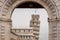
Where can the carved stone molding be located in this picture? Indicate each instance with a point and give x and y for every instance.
(7, 4)
(53, 20)
(52, 7)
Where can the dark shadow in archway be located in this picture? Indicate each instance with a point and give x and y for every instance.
(29, 5)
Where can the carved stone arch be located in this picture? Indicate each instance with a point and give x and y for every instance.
(52, 7)
(9, 6)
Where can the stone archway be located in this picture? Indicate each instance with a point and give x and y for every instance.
(52, 7)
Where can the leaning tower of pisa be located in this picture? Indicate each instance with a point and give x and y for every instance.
(35, 24)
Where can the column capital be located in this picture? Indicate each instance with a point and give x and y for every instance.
(52, 20)
(5, 20)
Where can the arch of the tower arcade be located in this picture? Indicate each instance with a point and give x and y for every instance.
(7, 7)
(52, 7)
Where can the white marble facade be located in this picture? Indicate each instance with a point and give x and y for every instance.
(53, 10)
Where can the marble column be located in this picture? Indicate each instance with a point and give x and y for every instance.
(54, 29)
(5, 27)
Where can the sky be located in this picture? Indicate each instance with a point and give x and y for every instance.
(21, 19)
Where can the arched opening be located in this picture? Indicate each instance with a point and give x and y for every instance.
(31, 5)
(52, 7)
